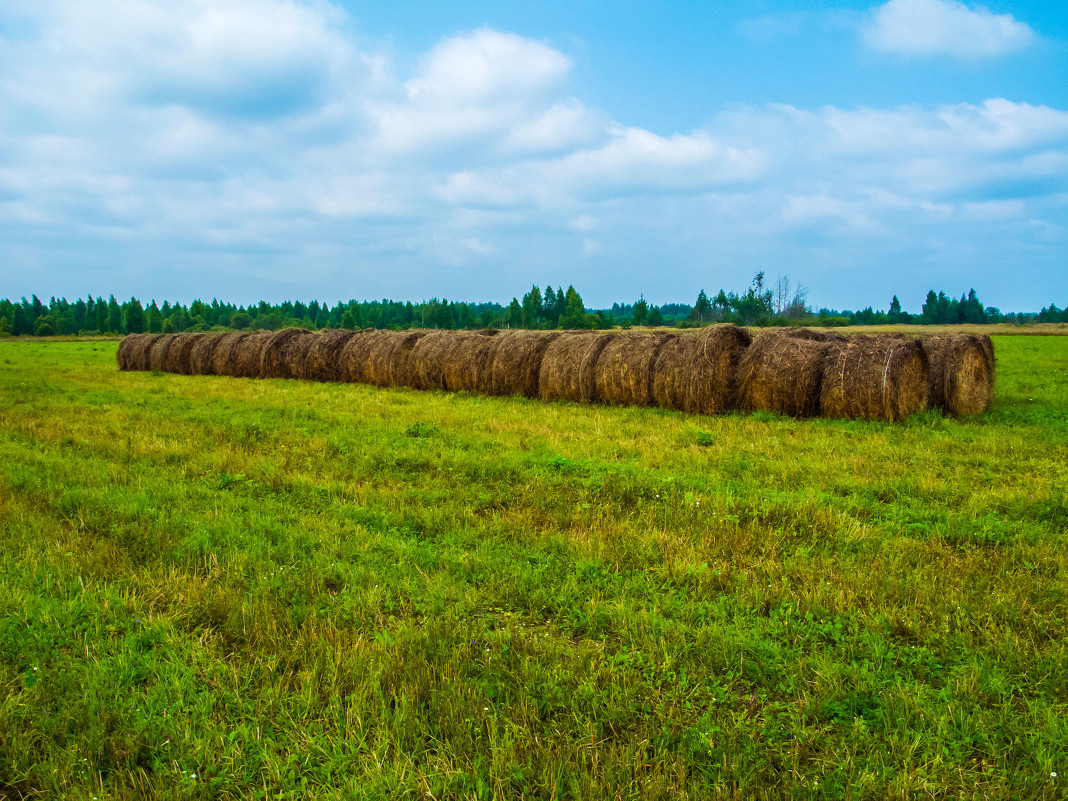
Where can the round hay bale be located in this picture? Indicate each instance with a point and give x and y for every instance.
(515, 361)
(874, 378)
(157, 353)
(354, 360)
(284, 352)
(782, 372)
(961, 370)
(138, 355)
(467, 362)
(200, 357)
(322, 362)
(390, 361)
(810, 334)
(430, 358)
(133, 351)
(222, 359)
(567, 368)
(698, 374)
(247, 355)
(623, 374)
(179, 353)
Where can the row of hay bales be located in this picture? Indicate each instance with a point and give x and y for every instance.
(798, 372)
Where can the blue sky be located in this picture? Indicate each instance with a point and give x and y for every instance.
(273, 149)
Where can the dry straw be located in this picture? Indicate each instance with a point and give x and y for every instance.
(247, 355)
(389, 362)
(354, 359)
(468, 361)
(698, 374)
(133, 351)
(283, 354)
(515, 361)
(874, 378)
(223, 360)
(157, 353)
(782, 371)
(427, 361)
(179, 353)
(962, 368)
(200, 357)
(623, 374)
(322, 362)
(567, 368)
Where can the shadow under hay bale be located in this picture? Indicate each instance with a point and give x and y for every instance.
(623, 374)
(200, 357)
(782, 372)
(467, 362)
(157, 353)
(515, 361)
(247, 355)
(698, 374)
(322, 361)
(874, 378)
(133, 351)
(283, 354)
(222, 360)
(567, 368)
(180, 352)
(961, 370)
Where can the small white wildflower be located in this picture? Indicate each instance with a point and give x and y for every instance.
(1053, 775)
(486, 709)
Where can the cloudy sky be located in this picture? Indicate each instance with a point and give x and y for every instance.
(335, 149)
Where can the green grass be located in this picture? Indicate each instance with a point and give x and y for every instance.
(220, 588)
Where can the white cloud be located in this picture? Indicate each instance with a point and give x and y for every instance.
(944, 27)
(485, 66)
(122, 145)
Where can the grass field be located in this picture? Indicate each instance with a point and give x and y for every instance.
(226, 588)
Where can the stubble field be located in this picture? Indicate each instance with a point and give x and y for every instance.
(230, 588)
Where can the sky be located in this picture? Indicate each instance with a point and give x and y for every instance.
(331, 149)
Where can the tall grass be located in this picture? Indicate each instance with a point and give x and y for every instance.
(224, 588)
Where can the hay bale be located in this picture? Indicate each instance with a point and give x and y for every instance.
(567, 368)
(222, 359)
(133, 351)
(390, 360)
(515, 361)
(200, 357)
(698, 374)
(157, 353)
(138, 354)
(874, 378)
(810, 334)
(623, 374)
(467, 362)
(322, 361)
(354, 359)
(283, 354)
(180, 352)
(427, 360)
(247, 355)
(961, 370)
(782, 372)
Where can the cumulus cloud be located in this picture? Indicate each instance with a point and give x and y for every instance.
(944, 27)
(260, 136)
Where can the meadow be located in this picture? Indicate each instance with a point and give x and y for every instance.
(230, 588)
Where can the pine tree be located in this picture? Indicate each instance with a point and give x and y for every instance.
(135, 317)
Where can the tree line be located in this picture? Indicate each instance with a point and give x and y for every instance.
(784, 303)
